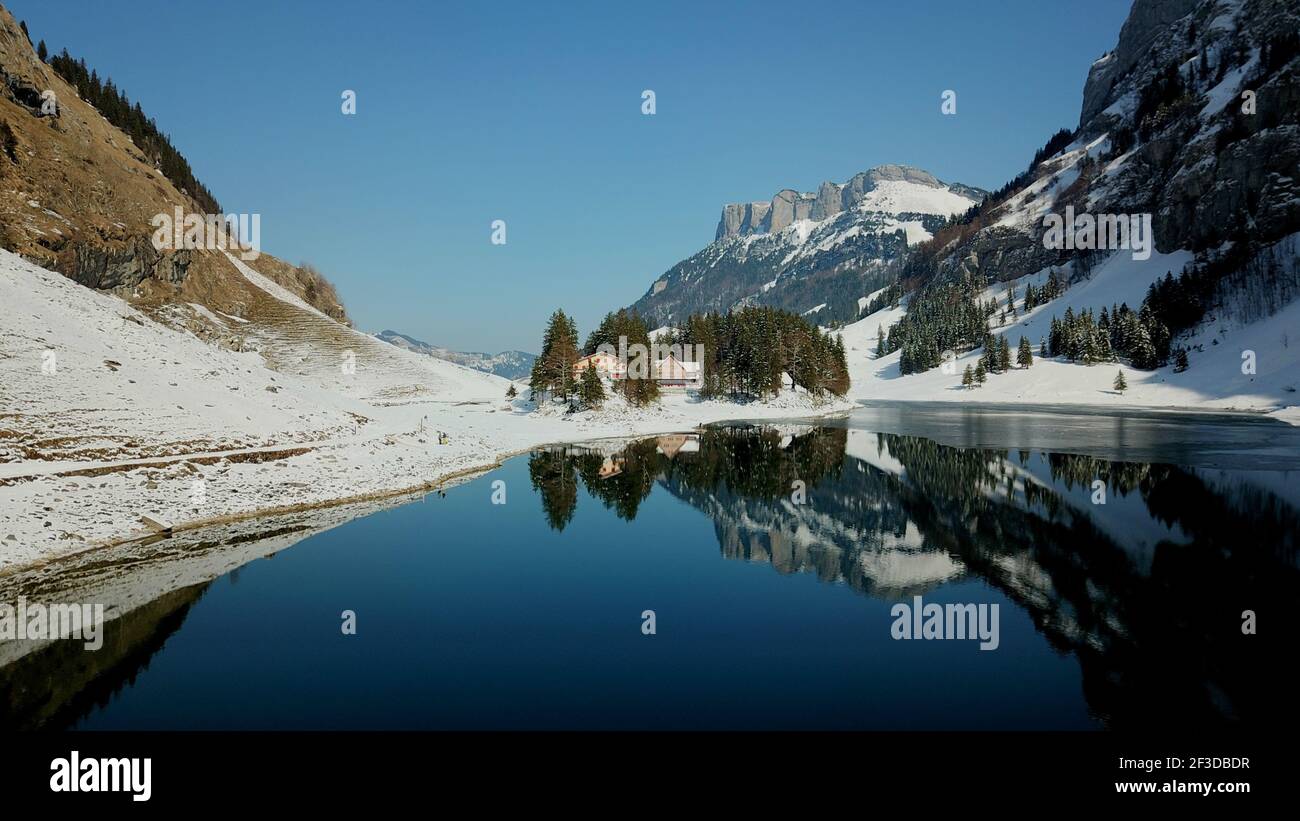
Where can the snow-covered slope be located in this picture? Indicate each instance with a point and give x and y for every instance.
(1214, 379)
(109, 414)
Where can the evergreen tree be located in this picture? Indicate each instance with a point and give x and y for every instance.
(989, 357)
(980, 373)
(1004, 354)
(591, 391)
(553, 477)
(511, 393)
(1180, 360)
(642, 390)
(1042, 347)
(553, 371)
(1141, 351)
(967, 376)
(1120, 384)
(750, 351)
(1024, 355)
(42, 52)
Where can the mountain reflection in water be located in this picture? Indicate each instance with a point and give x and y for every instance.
(1147, 589)
(477, 615)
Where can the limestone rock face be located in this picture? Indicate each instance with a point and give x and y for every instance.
(788, 206)
(809, 251)
(1146, 21)
(828, 203)
(1189, 152)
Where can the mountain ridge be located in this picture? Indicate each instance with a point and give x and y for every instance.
(507, 364)
(809, 253)
(788, 205)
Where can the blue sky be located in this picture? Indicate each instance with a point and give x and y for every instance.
(531, 113)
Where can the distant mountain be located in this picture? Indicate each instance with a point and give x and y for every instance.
(508, 364)
(809, 253)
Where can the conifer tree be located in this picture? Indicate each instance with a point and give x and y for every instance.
(1004, 354)
(1120, 384)
(1024, 355)
(591, 391)
(980, 373)
(967, 376)
(553, 370)
(989, 357)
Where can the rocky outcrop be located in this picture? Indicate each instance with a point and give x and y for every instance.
(1205, 164)
(122, 265)
(1147, 20)
(79, 197)
(1167, 132)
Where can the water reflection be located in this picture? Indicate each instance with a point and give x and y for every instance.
(148, 589)
(1141, 570)
(1144, 593)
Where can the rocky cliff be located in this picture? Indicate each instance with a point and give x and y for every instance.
(788, 206)
(809, 253)
(1194, 118)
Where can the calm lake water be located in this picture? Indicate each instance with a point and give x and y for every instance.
(771, 558)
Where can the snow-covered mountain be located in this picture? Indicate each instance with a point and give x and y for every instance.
(1193, 123)
(508, 364)
(809, 253)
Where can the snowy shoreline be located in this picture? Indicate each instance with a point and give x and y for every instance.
(1215, 381)
(119, 424)
(113, 415)
(322, 476)
(1288, 415)
(586, 427)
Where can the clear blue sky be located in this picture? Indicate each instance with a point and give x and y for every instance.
(531, 113)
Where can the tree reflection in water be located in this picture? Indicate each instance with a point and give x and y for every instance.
(1147, 590)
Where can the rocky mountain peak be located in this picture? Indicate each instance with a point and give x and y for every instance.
(788, 206)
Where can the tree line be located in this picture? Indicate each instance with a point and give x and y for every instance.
(953, 316)
(748, 351)
(552, 374)
(118, 109)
